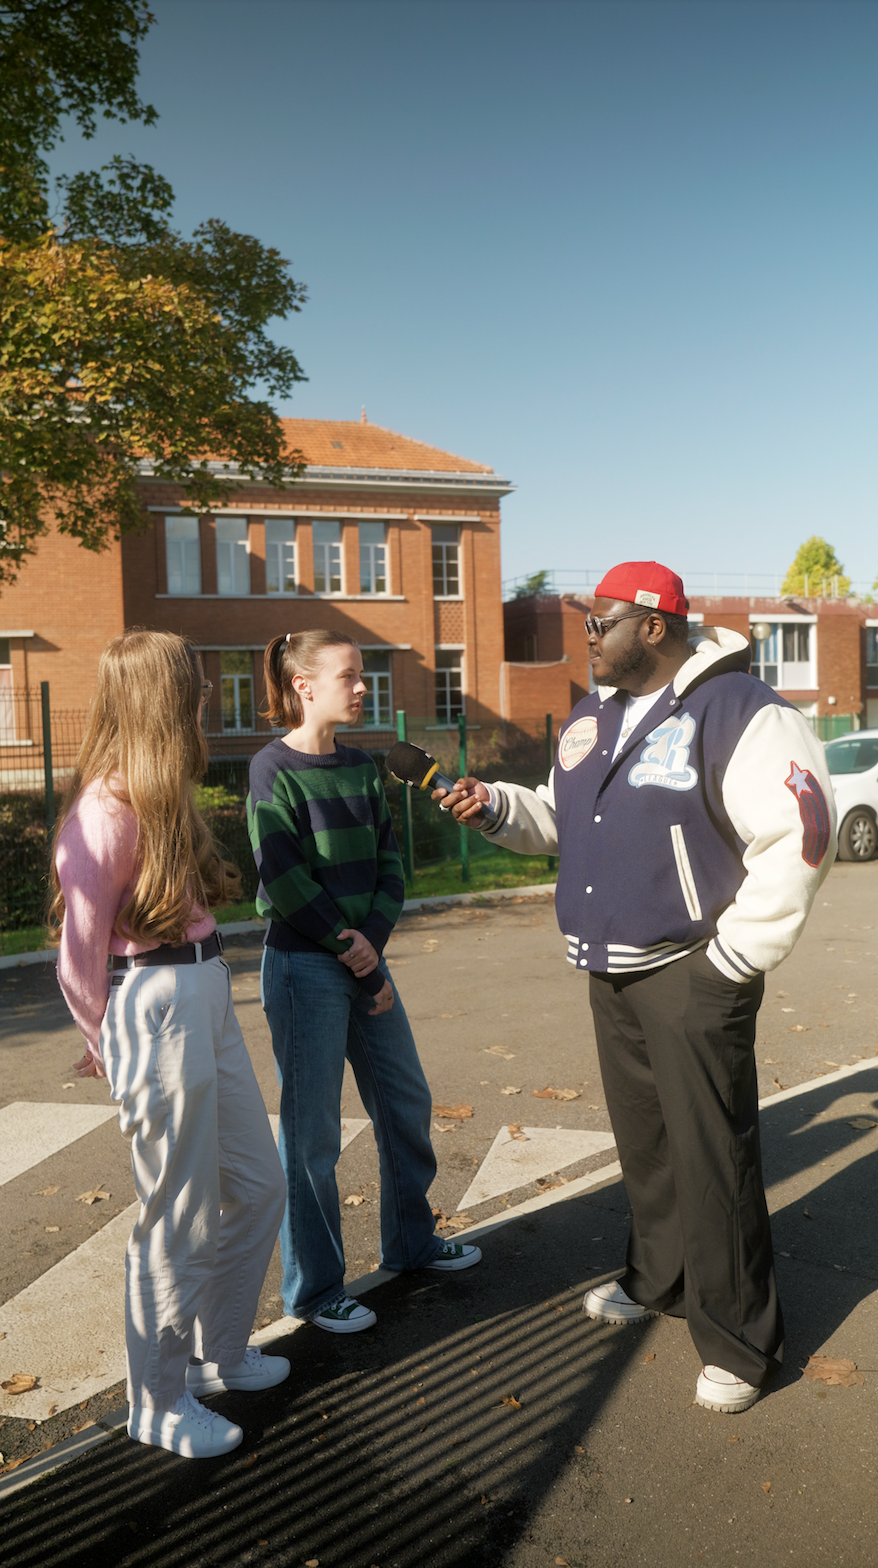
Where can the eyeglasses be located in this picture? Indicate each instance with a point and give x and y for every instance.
(599, 625)
(206, 689)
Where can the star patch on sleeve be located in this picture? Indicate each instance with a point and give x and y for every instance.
(813, 811)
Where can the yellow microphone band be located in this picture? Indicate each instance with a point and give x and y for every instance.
(428, 776)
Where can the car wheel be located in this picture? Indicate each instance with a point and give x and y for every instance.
(858, 836)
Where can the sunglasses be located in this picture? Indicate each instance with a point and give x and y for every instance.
(599, 625)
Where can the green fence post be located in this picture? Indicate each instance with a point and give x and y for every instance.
(47, 757)
(550, 763)
(464, 839)
(408, 836)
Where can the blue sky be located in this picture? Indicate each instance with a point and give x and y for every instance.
(623, 252)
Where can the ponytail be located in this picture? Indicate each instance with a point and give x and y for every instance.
(296, 653)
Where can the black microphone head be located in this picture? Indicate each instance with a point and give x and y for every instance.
(409, 763)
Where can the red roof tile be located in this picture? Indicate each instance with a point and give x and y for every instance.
(342, 443)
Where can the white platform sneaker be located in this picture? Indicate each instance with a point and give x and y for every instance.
(609, 1304)
(719, 1390)
(189, 1429)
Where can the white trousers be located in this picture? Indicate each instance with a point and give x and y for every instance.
(207, 1173)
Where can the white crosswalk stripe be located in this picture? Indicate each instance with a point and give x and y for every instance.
(31, 1133)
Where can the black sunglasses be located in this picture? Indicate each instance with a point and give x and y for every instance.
(599, 625)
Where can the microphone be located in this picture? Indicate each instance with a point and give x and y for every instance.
(418, 769)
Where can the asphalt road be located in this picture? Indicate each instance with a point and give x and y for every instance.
(353, 1468)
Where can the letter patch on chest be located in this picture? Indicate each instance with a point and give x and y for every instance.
(813, 811)
(577, 742)
(664, 759)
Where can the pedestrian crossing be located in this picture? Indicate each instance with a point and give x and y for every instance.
(67, 1326)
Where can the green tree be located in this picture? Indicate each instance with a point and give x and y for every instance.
(538, 582)
(817, 561)
(123, 345)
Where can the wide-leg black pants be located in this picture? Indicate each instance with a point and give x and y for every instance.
(676, 1054)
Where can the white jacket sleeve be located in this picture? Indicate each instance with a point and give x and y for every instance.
(527, 818)
(772, 792)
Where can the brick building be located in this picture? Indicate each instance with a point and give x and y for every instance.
(821, 653)
(392, 541)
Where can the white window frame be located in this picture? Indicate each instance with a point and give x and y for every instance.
(238, 679)
(796, 675)
(281, 558)
(373, 679)
(450, 550)
(188, 550)
(872, 667)
(373, 559)
(7, 698)
(459, 648)
(232, 557)
(330, 554)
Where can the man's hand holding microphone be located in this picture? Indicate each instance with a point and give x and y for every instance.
(466, 802)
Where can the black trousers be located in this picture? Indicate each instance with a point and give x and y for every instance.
(676, 1054)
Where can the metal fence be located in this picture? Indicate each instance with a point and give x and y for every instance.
(39, 745)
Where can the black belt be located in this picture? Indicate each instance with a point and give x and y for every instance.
(211, 947)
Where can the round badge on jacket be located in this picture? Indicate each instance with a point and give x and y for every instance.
(577, 742)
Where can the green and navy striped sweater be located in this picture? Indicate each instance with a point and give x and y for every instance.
(325, 851)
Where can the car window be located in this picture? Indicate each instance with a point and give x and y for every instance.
(852, 755)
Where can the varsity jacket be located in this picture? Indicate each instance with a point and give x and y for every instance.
(714, 825)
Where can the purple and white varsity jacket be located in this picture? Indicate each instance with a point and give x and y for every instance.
(714, 825)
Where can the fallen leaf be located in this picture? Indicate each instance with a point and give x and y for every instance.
(778, 1084)
(766, 1487)
(3, 1335)
(13, 1464)
(82, 1428)
(555, 1094)
(445, 1126)
(457, 1222)
(421, 1401)
(799, 1028)
(439, 1217)
(825, 1063)
(32, 1426)
(650, 1357)
(46, 1192)
(781, 993)
(578, 1449)
(735, 1439)
(515, 1132)
(497, 1050)
(561, 1562)
(807, 1215)
(512, 1402)
(863, 1123)
(52, 1409)
(485, 1500)
(769, 1061)
(250, 1460)
(459, 1113)
(629, 1499)
(19, 1383)
(312, 1562)
(354, 1200)
(93, 1196)
(545, 1185)
(833, 1370)
(68, 1086)
(510, 1089)
(265, 1322)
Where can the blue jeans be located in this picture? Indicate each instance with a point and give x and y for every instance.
(318, 1015)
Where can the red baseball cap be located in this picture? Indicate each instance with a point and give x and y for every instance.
(644, 582)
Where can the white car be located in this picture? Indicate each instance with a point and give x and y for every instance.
(853, 765)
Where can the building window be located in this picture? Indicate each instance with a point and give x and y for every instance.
(446, 560)
(872, 655)
(378, 701)
(785, 659)
(183, 552)
(236, 691)
(449, 685)
(530, 648)
(327, 556)
(7, 701)
(373, 558)
(232, 558)
(280, 555)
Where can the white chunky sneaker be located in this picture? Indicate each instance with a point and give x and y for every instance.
(189, 1429)
(609, 1304)
(344, 1315)
(254, 1372)
(719, 1390)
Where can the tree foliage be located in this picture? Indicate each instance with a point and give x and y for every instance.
(817, 561)
(538, 582)
(122, 343)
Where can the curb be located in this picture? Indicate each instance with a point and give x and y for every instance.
(251, 927)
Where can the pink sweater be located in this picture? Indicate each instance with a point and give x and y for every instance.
(96, 858)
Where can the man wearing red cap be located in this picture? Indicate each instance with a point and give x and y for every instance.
(692, 811)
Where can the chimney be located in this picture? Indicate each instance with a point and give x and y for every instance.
(363, 419)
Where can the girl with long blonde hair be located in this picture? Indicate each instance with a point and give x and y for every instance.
(135, 873)
(331, 884)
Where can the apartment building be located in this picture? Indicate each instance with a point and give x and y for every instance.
(395, 542)
(822, 654)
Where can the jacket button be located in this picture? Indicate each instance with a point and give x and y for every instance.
(597, 819)
(585, 947)
(583, 963)
(588, 890)
(603, 753)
